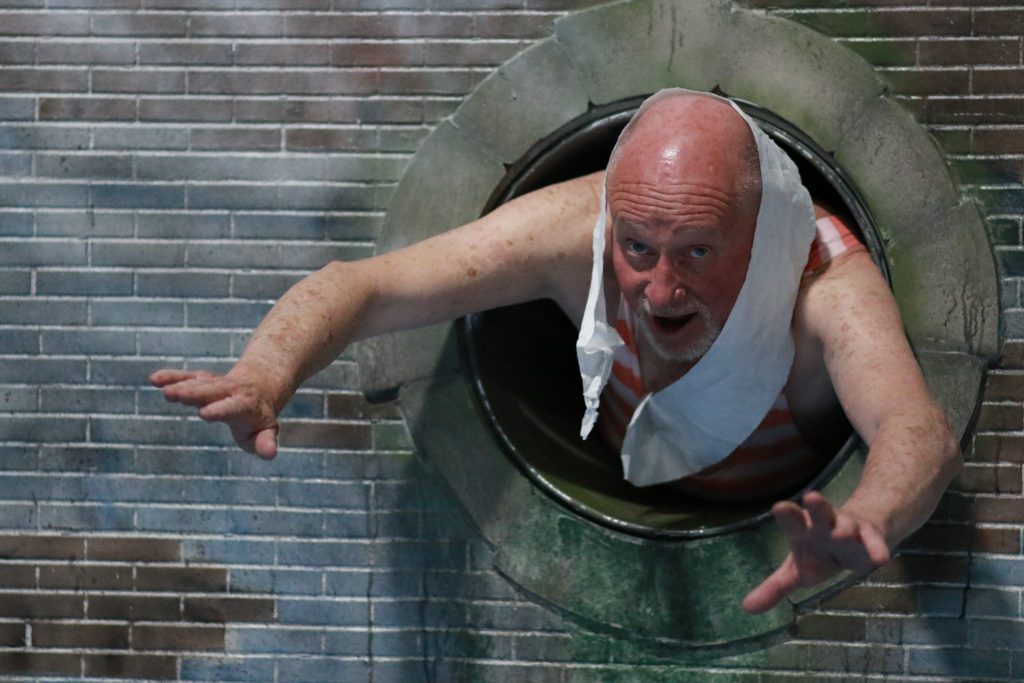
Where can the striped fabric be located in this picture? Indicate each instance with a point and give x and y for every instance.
(775, 456)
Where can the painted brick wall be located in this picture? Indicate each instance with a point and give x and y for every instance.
(169, 167)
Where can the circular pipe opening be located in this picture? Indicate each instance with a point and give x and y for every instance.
(523, 363)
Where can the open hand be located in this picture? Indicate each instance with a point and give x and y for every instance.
(823, 541)
(239, 405)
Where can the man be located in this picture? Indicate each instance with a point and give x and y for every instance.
(685, 207)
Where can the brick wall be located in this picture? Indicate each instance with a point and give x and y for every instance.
(169, 167)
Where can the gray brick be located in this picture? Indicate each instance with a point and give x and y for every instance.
(373, 466)
(307, 226)
(993, 602)
(124, 371)
(183, 520)
(50, 195)
(353, 524)
(304, 406)
(19, 341)
(15, 282)
(236, 24)
(19, 399)
(234, 552)
(87, 108)
(323, 670)
(323, 495)
(42, 429)
(140, 137)
(21, 311)
(90, 518)
(99, 166)
(243, 670)
(291, 53)
(334, 377)
(276, 640)
(15, 164)
(85, 52)
(15, 222)
(182, 109)
(84, 282)
(85, 223)
(18, 516)
(399, 613)
(184, 343)
(259, 167)
(305, 256)
(87, 400)
(137, 196)
(184, 225)
(184, 283)
(997, 571)
(43, 136)
(139, 24)
(284, 81)
(48, 23)
(235, 138)
(294, 197)
(126, 430)
(15, 108)
(994, 633)
(226, 314)
(959, 662)
(21, 52)
(277, 581)
(261, 286)
(138, 312)
(88, 342)
(325, 554)
(86, 458)
(350, 583)
(277, 522)
(14, 458)
(167, 53)
(351, 643)
(43, 252)
(321, 611)
(292, 464)
(180, 461)
(31, 79)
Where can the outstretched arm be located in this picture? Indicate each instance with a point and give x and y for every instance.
(536, 246)
(913, 454)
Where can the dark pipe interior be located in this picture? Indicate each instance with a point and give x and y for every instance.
(524, 363)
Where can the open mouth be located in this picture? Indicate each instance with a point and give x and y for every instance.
(670, 324)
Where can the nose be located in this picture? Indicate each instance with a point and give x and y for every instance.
(665, 289)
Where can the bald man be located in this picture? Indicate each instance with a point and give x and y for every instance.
(683, 194)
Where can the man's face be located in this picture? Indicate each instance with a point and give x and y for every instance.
(680, 247)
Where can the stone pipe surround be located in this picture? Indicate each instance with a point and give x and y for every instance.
(681, 593)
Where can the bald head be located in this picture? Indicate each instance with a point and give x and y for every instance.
(683, 191)
(691, 137)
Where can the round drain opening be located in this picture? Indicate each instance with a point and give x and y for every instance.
(522, 358)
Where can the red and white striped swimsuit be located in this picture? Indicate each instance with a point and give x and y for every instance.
(775, 452)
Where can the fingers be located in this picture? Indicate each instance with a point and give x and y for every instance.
(266, 443)
(774, 589)
(792, 518)
(162, 378)
(199, 392)
(874, 542)
(822, 514)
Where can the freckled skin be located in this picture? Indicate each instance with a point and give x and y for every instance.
(674, 186)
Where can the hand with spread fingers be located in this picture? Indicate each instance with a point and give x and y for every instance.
(241, 405)
(823, 542)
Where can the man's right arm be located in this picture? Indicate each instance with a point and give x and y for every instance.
(537, 246)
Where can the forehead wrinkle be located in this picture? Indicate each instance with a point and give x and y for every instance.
(670, 196)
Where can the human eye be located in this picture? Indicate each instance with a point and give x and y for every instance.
(699, 252)
(637, 248)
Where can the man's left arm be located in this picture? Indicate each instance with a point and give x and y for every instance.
(913, 454)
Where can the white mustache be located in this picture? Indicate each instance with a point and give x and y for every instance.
(702, 311)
